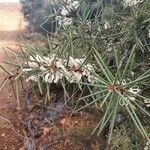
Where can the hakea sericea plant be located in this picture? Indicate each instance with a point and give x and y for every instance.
(52, 69)
(63, 17)
(114, 90)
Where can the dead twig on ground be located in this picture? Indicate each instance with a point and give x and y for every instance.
(6, 120)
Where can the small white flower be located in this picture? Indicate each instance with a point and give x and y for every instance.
(33, 64)
(132, 2)
(64, 21)
(109, 49)
(125, 101)
(75, 62)
(85, 72)
(33, 78)
(60, 21)
(64, 11)
(59, 64)
(42, 68)
(69, 7)
(134, 90)
(106, 25)
(123, 82)
(148, 105)
(91, 79)
(75, 4)
(147, 102)
(67, 1)
(58, 76)
(89, 24)
(67, 21)
(73, 77)
(88, 69)
(53, 75)
(132, 73)
(47, 76)
(32, 58)
(58, 18)
(27, 69)
(39, 59)
(147, 147)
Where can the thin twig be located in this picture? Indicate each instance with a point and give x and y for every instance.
(9, 73)
(11, 126)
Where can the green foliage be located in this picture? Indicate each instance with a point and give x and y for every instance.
(111, 39)
(120, 141)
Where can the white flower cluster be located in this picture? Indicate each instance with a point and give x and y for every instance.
(133, 90)
(147, 147)
(132, 2)
(69, 6)
(51, 69)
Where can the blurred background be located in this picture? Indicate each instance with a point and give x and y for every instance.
(9, 1)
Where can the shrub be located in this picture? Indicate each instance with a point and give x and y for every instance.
(98, 54)
(37, 12)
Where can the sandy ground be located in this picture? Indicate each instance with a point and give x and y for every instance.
(11, 26)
